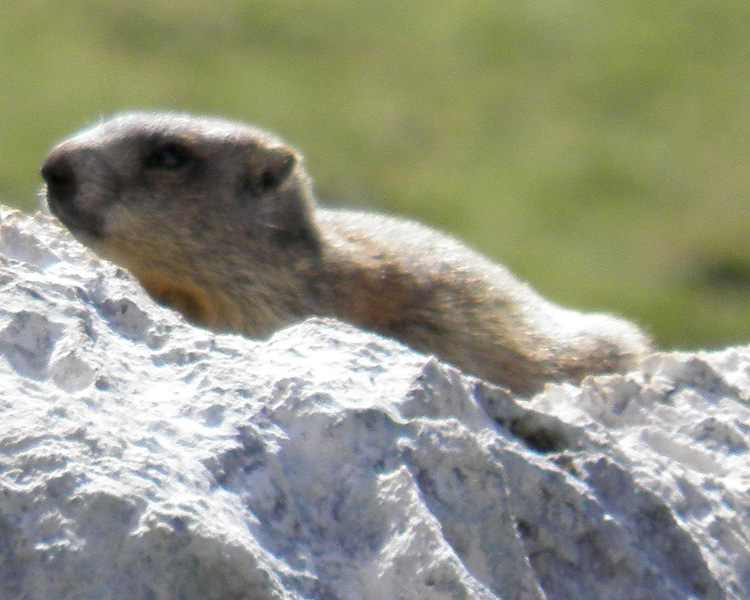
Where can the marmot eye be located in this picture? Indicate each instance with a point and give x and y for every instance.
(170, 157)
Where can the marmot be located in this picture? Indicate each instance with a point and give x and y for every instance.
(217, 219)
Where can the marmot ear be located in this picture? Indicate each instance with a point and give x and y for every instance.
(268, 168)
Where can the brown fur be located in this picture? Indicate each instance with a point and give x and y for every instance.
(217, 220)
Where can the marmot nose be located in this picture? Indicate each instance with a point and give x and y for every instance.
(58, 173)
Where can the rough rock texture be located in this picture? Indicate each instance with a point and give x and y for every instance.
(144, 459)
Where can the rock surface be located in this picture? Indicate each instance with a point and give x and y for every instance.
(144, 459)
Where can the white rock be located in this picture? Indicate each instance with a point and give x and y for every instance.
(144, 459)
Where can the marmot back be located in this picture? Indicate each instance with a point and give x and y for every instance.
(217, 219)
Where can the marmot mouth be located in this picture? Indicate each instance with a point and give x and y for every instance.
(77, 221)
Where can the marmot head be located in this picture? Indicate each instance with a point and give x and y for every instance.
(172, 197)
(117, 179)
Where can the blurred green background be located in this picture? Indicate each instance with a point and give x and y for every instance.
(599, 149)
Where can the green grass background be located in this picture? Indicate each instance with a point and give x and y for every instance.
(599, 149)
